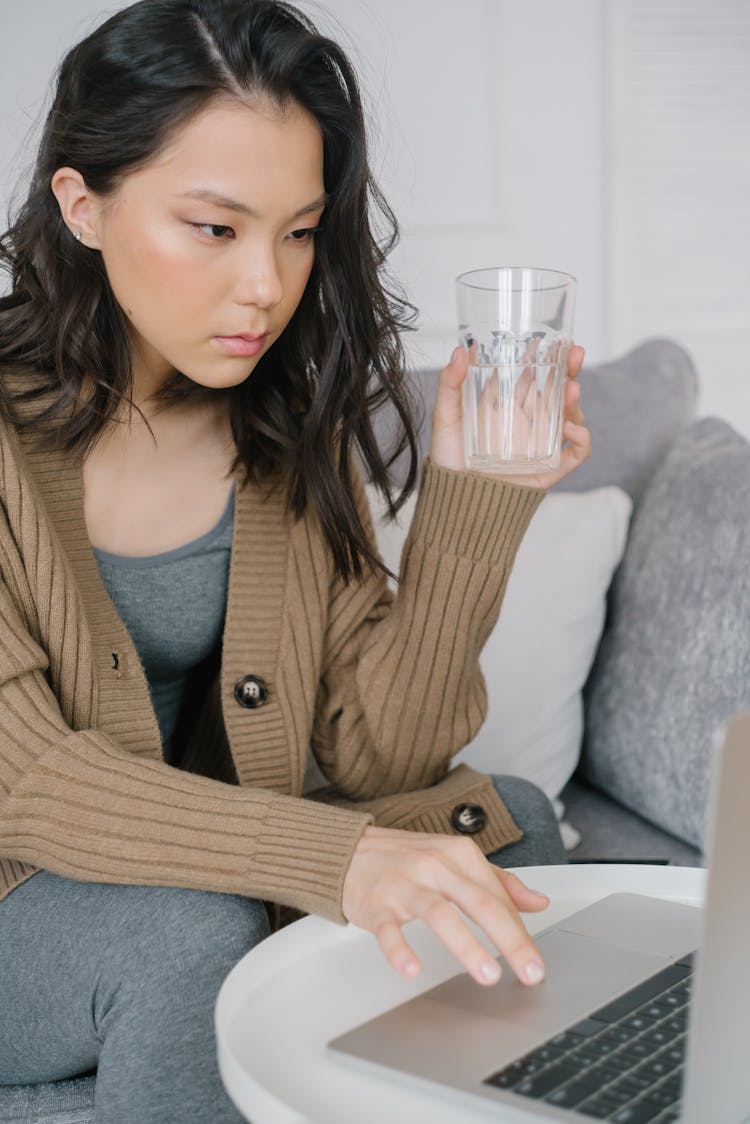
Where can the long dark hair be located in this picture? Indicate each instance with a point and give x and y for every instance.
(305, 413)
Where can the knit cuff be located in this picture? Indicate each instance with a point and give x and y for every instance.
(304, 851)
(463, 513)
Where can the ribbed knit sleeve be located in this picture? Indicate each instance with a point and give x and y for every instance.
(402, 688)
(76, 803)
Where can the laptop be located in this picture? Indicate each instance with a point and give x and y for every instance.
(643, 1016)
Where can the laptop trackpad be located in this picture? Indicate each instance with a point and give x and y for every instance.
(582, 974)
(591, 957)
(459, 1031)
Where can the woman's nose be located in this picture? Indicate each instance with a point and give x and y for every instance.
(260, 282)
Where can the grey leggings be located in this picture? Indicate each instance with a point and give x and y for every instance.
(123, 980)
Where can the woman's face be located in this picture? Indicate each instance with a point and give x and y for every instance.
(213, 239)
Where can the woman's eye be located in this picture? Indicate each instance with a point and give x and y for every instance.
(304, 234)
(212, 226)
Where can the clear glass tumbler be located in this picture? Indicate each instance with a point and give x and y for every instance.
(516, 323)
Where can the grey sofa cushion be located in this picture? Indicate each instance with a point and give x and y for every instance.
(674, 662)
(611, 833)
(635, 406)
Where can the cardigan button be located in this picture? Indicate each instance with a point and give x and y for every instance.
(251, 691)
(468, 818)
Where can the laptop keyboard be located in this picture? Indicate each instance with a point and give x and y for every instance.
(624, 1063)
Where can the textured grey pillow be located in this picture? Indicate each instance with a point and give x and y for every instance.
(674, 662)
(635, 406)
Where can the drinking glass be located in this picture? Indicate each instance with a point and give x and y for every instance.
(516, 323)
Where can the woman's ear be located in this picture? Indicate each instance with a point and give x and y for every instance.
(78, 206)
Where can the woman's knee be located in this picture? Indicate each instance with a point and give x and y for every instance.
(171, 931)
(526, 802)
(177, 947)
(534, 814)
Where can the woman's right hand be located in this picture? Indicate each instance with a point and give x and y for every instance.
(397, 876)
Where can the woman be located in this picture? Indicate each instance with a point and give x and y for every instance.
(197, 334)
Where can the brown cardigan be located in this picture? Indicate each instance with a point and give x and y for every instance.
(384, 688)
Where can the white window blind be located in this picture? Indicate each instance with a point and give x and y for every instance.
(679, 191)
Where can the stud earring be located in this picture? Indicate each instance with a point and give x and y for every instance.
(77, 235)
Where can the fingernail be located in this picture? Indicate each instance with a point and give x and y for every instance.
(411, 967)
(533, 972)
(452, 359)
(490, 971)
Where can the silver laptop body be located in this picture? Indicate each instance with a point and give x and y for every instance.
(459, 1033)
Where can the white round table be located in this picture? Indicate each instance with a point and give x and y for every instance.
(313, 980)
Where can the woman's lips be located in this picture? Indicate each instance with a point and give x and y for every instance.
(242, 345)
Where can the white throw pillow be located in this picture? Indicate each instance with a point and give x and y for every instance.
(539, 654)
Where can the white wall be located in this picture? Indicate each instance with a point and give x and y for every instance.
(514, 132)
(679, 185)
(489, 145)
(34, 35)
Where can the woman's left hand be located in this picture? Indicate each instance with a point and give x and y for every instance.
(447, 442)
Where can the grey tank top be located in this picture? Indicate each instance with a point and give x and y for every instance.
(174, 605)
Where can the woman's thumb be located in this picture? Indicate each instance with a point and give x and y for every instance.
(448, 402)
(455, 372)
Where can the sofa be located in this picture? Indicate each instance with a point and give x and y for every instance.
(643, 660)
